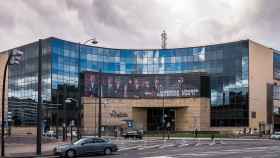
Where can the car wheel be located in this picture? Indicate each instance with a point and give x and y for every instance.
(108, 151)
(70, 153)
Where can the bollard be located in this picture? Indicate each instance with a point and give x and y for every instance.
(212, 137)
(71, 133)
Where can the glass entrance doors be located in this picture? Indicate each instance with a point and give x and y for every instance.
(160, 119)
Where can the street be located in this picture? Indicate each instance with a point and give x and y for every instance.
(180, 148)
(196, 148)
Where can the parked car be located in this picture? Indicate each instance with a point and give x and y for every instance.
(74, 134)
(133, 134)
(50, 134)
(86, 146)
(275, 135)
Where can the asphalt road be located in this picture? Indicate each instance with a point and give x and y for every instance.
(191, 149)
(195, 148)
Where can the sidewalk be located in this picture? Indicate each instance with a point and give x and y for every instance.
(25, 147)
(15, 150)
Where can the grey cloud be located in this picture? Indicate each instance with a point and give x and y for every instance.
(109, 14)
(120, 21)
(138, 23)
(7, 21)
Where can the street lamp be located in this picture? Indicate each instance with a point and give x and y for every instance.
(71, 100)
(93, 41)
(163, 112)
(13, 58)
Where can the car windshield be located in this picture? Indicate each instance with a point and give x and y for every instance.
(107, 140)
(99, 140)
(80, 141)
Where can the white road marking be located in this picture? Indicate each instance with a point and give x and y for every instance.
(225, 152)
(212, 143)
(183, 145)
(159, 157)
(166, 146)
(149, 147)
(197, 144)
(130, 148)
(192, 154)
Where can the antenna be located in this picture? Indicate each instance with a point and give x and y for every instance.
(163, 39)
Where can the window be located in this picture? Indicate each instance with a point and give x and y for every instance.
(99, 141)
(276, 65)
(276, 92)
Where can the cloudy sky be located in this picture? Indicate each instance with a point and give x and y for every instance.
(138, 23)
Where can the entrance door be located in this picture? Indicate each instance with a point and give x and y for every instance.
(160, 119)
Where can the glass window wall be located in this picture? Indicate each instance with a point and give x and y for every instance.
(63, 61)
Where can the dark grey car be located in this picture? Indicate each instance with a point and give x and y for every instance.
(86, 146)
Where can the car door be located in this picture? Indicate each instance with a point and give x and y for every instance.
(100, 144)
(85, 147)
(93, 146)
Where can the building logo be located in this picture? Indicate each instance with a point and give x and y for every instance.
(116, 114)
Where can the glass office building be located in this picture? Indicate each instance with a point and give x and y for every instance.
(62, 62)
(23, 83)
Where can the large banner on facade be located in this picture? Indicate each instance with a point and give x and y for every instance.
(141, 86)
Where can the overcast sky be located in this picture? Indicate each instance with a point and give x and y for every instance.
(138, 23)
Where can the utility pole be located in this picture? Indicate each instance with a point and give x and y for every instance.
(39, 111)
(163, 46)
(79, 96)
(3, 110)
(64, 125)
(57, 111)
(79, 120)
(99, 102)
(95, 120)
(14, 57)
(163, 115)
(100, 98)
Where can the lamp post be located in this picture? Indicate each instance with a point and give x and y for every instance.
(71, 100)
(13, 58)
(93, 41)
(163, 111)
(64, 129)
(39, 105)
(57, 119)
(99, 102)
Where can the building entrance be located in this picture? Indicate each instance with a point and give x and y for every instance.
(160, 119)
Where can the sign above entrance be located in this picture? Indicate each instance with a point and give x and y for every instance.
(146, 86)
(114, 113)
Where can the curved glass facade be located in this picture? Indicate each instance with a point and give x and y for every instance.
(226, 64)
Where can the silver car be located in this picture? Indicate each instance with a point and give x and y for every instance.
(86, 146)
(275, 135)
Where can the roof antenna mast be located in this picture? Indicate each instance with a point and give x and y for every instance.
(163, 39)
